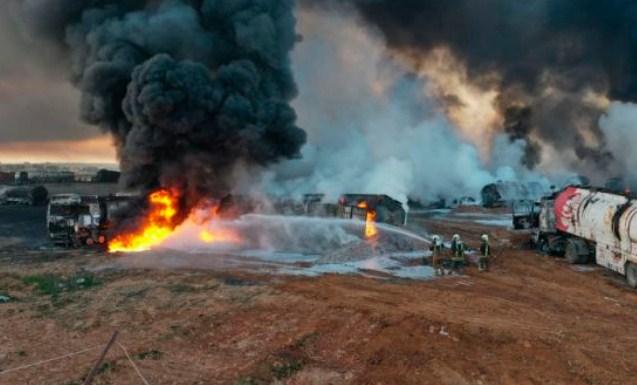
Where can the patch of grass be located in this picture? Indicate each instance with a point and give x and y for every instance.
(105, 367)
(54, 285)
(235, 281)
(281, 371)
(182, 288)
(248, 381)
(149, 355)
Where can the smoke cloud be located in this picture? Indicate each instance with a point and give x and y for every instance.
(553, 64)
(618, 125)
(373, 124)
(188, 89)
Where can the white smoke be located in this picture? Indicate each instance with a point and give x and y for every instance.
(265, 232)
(618, 126)
(372, 128)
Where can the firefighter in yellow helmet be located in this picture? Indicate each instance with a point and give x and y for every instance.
(436, 255)
(458, 257)
(454, 241)
(485, 252)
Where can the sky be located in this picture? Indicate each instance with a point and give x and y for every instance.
(39, 108)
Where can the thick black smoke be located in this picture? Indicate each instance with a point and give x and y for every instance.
(188, 88)
(549, 55)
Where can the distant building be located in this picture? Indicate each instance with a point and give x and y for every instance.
(107, 176)
(51, 177)
(84, 177)
(7, 177)
(21, 177)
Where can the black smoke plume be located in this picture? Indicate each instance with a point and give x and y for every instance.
(188, 89)
(549, 55)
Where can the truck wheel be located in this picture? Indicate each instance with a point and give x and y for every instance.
(575, 252)
(631, 275)
(544, 248)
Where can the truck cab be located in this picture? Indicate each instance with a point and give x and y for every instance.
(525, 214)
(546, 237)
(74, 220)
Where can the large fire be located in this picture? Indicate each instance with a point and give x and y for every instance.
(370, 221)
(160, 224)
(155, 228)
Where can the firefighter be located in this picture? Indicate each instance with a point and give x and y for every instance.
(436, 255)
(448, 261)
(458, 258)
(454, 241)
(485, 251)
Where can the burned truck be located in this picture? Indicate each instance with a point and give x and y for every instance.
(525, 214)
(385, 208)
(591, 225)
(75, 220)
(505, 193)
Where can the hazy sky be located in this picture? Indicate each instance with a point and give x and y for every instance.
(39, 109)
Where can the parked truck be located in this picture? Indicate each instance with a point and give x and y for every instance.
(586, 224)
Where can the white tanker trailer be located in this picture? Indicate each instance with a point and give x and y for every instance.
(587, 224)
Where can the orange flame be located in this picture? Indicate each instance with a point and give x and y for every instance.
(156, 227)
(216, 235)
(370, 225)
(370, 221)
(219, 236)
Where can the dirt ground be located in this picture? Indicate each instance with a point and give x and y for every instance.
(531, 320)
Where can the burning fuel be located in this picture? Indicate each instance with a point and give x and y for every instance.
(371, 231)
(158, 224)
(370, 225)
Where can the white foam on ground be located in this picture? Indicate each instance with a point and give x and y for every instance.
(293, 246)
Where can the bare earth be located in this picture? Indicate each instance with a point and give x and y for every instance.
(530, 320)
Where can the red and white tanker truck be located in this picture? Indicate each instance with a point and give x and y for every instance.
(587, 224)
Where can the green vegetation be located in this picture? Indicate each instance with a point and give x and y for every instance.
(53, 285)
(287, 369)
(182, 288)
(105, 367)
(247, 381)
(149, 355)
(266, 372)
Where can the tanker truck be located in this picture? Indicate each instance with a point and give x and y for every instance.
(75, 220)
(586, 224)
